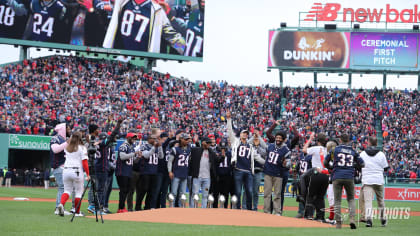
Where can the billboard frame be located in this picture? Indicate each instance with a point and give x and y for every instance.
(343, 70)
(99, 50)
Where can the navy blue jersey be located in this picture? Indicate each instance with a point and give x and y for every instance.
(46, 20)
(12, 23)
(57, 159)
(163, 163)
(111, 157)
(225, 167)
(134, 26)
(243, 161)
(304, 163)
(149, 166)
(194, 35)
(182, 12)
(102, 157)
(124, 167)
(274, 162)
(344, 158)
(180, 164)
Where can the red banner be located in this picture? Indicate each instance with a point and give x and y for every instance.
(396, 194)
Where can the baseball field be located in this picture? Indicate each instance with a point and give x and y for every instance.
(36, 217)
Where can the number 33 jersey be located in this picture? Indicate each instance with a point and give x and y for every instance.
(46, 19)
(344, 159)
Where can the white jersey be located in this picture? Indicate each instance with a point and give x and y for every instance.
(74, 159)
(318, 154)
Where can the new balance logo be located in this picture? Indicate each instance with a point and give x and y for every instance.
(329, 12)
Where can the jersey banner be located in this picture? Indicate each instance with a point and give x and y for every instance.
(169, 27)
(308, 49)
(384, 50)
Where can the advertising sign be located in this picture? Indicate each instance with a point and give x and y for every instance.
(384, 50)
(145, 27)
(308, 49)
(31, 142)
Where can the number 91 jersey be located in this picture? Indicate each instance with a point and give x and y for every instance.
(180, 166)
(45, 20)
(134, 26)
(274, 161)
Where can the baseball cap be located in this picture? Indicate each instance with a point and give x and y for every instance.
(178, 132)
(205, 139)
(185, 136)
(245, 131)
(164, 134)
(131, 135)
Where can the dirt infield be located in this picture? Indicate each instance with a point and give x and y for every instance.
(214, 217)
(286, 208)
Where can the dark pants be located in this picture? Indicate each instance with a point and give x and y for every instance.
(243, 178)
(108, 188)
(223, 187)
(348, 185)
(134, 187)
(100, 185)
(147, 186)
(124, 184)
(162, 185)
(318, 186)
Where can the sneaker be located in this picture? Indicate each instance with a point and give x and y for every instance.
(362, 220)
(80, 214)
(308, 218)
(60, 209)
(333, 222)
(107, 211)
(91, 209)
(352, 225)
(120, 211)
(321, 220)
(369, 223)
(56, 211)
(124, 210)
(73, 210)
(299, 216)
(67, 213)
(384, 222)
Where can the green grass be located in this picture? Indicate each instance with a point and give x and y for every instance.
(37, 218)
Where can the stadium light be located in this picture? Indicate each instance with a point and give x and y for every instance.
(50, 50)
(283, 25)
(330, 26)
(356, 26)
(416, 27)
(38, 49)
(57, 51)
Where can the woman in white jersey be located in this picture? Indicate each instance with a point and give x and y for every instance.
(76, 162)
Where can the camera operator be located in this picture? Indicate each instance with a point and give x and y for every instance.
(101, 166)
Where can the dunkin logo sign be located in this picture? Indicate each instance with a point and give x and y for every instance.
(334, 11)
(308, 49)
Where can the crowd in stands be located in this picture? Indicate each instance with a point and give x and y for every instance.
(38, 94)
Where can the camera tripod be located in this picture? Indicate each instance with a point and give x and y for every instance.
(98, 206)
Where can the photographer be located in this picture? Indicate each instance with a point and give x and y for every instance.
(373, 179)
(101, 163)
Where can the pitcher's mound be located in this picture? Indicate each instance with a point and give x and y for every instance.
(214, 217)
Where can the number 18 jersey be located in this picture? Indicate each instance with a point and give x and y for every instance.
(134, 26)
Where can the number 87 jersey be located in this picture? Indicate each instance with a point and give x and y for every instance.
(180, 164)
(344, 158)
